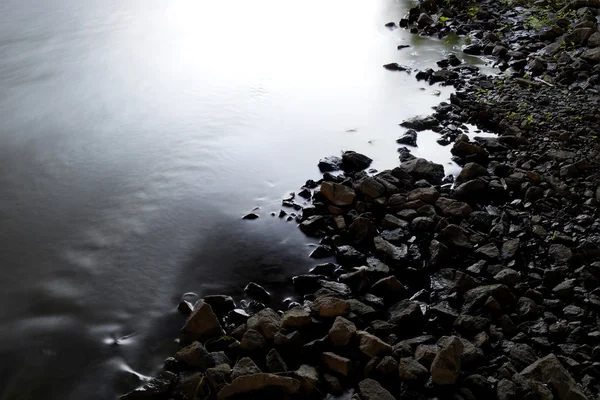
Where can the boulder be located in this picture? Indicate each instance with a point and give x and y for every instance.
(389, 253)
(245, 366)
(266, 321)
(195, 356)
(410, 370)
(308, 377)
(275, 363)
(252, 341)
(409, 138)
(405, 312)
(329, 307)
(297, 317)
(369, 186)
(370, 389)
(337, 364)
(548, 370)
(371, 345)
(339, 195)
(445, 367)
(353, 161)
(471, 171)
(419, 168)
(329, 164)
(427, 195)
(202, 324)
(259, 382)
(342, 331)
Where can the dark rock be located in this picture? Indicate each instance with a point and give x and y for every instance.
(342, 331)
(370, 187)
(275, 363)
(522, 355)
(420, 168)
(257, 382)
(424, 20)
(252, 341)
(329, 307)
(218, 377)
(506, 390)
(411, 370)
(395, 67)
(560, 254)
(445, 368)
(455, 236)
(195, 356)
(220, 304)
(389, 253)
(339, 195)
(245, 366)
(370, 389)
(202, 324)
(337, 364)
(266, 321)
(298, 317)
(409, 138)
(390, 288)
(405, 312)
(155, 388)
(329, 164)
(475, 298)
(350, 257)
(420, 123)
(471, 190)
(257, 292)
(353, 161)
(250, 216)
(371, 345)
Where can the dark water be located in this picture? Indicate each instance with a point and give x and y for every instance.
(133, 137)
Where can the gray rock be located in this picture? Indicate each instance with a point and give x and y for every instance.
(155, 388)
(560, 254)
(252, 341)
(475, 298)
(456, 236)
(419, 168)
(370, 389)
(337, 364)
(427, 195)
(471, 171)
(342, 331)
(330, 307)
(489, 250)
(457, 209)
(329, 164)
(353, 161)
(218, 377)
(257, 382)
(371, 345)
(411, 370)
(202, 324)
(389, 288)
(506, 390)
(406, 311)
(409, 138)
(390, 254)
(266, 321)
(195, 356)
(549, 370)
(339, 195)
(308, 377)
(420, 123)
(509, 249)
(275, 363)
(470, 190)
(594, 40)
(445, 368)
(592, 55)
(245, 366)
(370, 187)
(297, 317)
(391, 222)
(508, 276)
(522, 355)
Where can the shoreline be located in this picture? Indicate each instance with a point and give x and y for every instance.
(482, 285)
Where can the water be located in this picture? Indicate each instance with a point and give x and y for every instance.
(134, 136)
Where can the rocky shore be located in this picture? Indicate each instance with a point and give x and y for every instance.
(483, 285)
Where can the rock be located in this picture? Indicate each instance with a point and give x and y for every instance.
(592, 55)
(337, 364)
(560, 254)
(508, 276)
(337, 194)
(471, 190)
(370, 389)
(489, 250)
(353, 161)
(371, 345)
(509, 249)
(476, 298)
(427, 195)
(257, 382)
(522, 355)
(389, 253)
(195, 356)
(252, 341)
(420, 123)
(443, 75)
(257, 292)
(409, 138)
(424, 20)
(395, 67)
(405, 312)
(465, 150)
(389, 288)
(457, 209)
(471, 171)
(565, 289)
(308, 377)
(419, 168)
(155, 388)
(549, 370)
(448, 280)
(594, 40)
(188, 386)
(506, 390)
(329, 164)
(275, 363)
(391, 222)
(411, 370)
(455, 236)
(329, 307)
(202, 324)
(250, 216)
(220, 304)
(342, 331)
(245, 366)
(472, 49)
(218, 377)
(580, 35)
(266, 321)
(361, 229)
(437, 253)
(445, 368)
(297, 317)
(370, 187)
(471, 325)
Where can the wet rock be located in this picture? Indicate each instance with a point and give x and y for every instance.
(252, 341)
(361, 229)
(220, 304)
(350, 257)
(297, 317)
(420, 168)
(257, 382)
(592, 55)
(560, 254)
(337, 364)
(404, 312)
(308, 377)
(202, 324)
(250, 216)
(471, 190)
(245, 366)
(476, 298)
(257, 292)
(266, 321)
(395, 67)
(427, 195)
(371, 345)
(391, 222)
(424, 20)
(455, 236)
(389, 288)
(370, 389)
(411, 370)
(445, 368)
(342, 331)
(472, 49)
(549, 370)
(353, 161)
(420, 123)
(195, 356)
(329, 307)
(387, 366)
(218, 377)
(471, 325)
(275, 363)
(489, 251)
(339, 195)
(457, 209)
(389, 253)
(409, 138)
(508, 276)
(153, 389)
(371, 187)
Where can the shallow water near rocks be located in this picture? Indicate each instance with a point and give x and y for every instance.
(134, 137)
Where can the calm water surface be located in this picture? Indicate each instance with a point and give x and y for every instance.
(133, 137)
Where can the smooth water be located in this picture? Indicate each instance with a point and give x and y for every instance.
(133, 137)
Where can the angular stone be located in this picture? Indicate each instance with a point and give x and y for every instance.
(275, 363)
(370, 389)
(297, 317)
(252, 341)
(410, 370)
(561, 254)
(257, 382)
(202, 324)
(337, 364)
(308, 377)
(329, 307)
(457, 209)
(342, 331)
(477, 297)
(370, 187)
(245, 366)
(390, 254)
(266, 321)
(371, 345)
(471, 171)
(427, 195)
(445, 368)
(339, 195)
(419, 168)
(406, 311)
(455, 235)
(195, 356)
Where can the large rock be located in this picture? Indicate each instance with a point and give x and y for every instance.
(463, 149)
(337, 364)
(245, 366)
(258, 382)
(202, 324)
(371, 345)
(329, 307)
(419, 168)
(370, 389)
(329, 164)
(353, 161)
(266, 321)
(476, 298)
(195, 356)
(308, 377)
(361, 229)
(471, 171)
(409, 138)
(370, 187)
(548, 370)
(445, 367)
(592, 55)
(342, 331)
(389, 253)
(410, 369)
(339, 195)
(405, 312)
(252, 341)
(456, 236)
(427, 195)
(275, 363)
(297, 317)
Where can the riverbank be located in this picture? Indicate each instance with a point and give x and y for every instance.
(483, 284)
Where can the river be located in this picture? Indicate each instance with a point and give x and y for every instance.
(136, 134)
